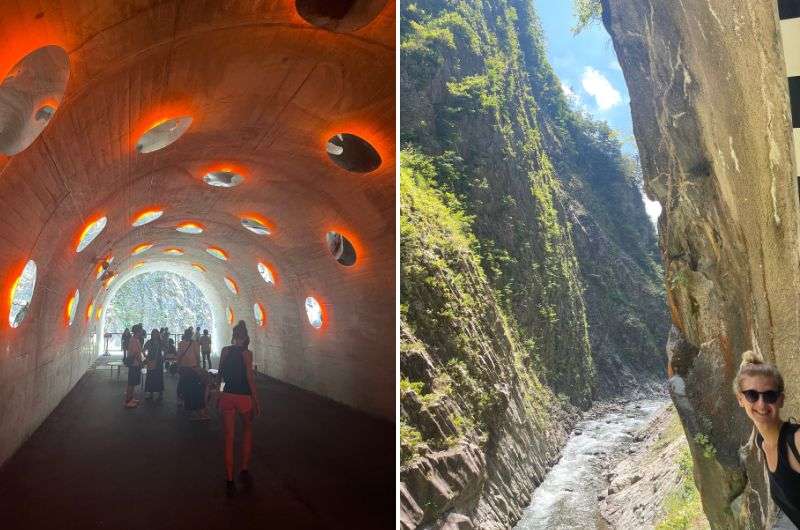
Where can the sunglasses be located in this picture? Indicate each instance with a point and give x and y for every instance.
(769, 397)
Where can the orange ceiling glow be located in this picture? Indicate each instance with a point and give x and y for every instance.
(229, 314)
(90, 232)
(199, 267)
(190, 227)
(147, 216)
(138, 249)
(89, 311)
(173, 251)
(218, 253)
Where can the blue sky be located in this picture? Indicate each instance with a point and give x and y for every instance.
(589, 72)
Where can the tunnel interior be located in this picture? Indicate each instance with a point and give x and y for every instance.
(246, 146)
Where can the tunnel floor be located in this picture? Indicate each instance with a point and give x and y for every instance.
(95, 464)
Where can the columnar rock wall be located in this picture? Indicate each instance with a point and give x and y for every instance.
(711, 117)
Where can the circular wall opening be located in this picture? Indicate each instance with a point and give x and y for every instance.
(163, 133)
(341, 249)
(138, 264)
(229, 314)
(231, 284)
(138, 249)
(190, 228)
(89, 311)
(256, 226)
(146, 217)
(21, 294)
(258, 314)
(218, 253)
(266, 273)
(314, 312)
(224, 178)
(90, 232)
(199, 267)
(352, 153)
(72, 306)
(30, 96)
(103, 266)
(174, 251)
(108, 281)
(339, 15)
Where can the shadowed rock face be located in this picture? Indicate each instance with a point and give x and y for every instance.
(711, 118)
(265, 90)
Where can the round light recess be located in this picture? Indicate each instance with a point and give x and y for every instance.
(199, 267)
(189, 228)
(314, 312)
(138, 249)
(104, 264)
(174, 251)
(258, 314)
(256, 226)
(339, 15)
(341, 249)
(90, 232)
(229, 314)
(89, 311)
(231, 284)
(163, 134)
(147, 217)
(21, 294)
(353, 153)
(218, 253)
(72, 306)
(224, 178)
(266, 273)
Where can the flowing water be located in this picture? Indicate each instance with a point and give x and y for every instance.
(567, 498)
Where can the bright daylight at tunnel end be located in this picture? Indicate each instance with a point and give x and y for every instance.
(227, 165)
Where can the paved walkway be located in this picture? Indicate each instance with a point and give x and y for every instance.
(94, 464)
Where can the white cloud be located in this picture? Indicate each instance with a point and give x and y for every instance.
(597, 86)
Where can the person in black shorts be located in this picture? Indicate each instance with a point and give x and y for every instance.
(759, 390)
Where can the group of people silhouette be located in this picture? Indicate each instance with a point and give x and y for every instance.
(235, 379)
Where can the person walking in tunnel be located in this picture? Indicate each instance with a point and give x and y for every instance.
(238, 398)
(155, 366)
(190, 384)
(205, 348)
(759, 390)
(126, 339)
(134, 360)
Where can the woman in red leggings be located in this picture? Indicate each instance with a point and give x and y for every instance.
(238, 398)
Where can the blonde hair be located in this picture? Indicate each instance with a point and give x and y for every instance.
(753, 364)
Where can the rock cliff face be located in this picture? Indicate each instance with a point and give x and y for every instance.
(711, 117)
(523, 296)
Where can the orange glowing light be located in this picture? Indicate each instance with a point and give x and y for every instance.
(232, 167)
(146, 216)
(218, 253)
(89, 311)
(98, 313)
(173, 251)
(108, 281)
(259, 219)
(162, 114)
(231, 283)
(355, 241)
(259, 314)
(190, 227)
(99, 270)
(95, 225)
(138, 249)
(70, 308)
(380, 138)
(229, 314)
(199, 267)
(138, 264)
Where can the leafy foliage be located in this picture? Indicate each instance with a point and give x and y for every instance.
(158, 299)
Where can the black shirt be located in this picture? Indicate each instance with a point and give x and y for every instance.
(784, 483)
(234, 372)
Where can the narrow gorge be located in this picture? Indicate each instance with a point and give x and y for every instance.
(531, 284)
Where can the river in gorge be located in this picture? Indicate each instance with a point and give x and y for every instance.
(567, 498)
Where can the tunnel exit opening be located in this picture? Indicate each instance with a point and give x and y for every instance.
(157, 299)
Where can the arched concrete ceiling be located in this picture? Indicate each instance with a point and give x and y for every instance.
(265, 90)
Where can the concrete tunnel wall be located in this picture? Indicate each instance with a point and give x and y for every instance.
(266, 90)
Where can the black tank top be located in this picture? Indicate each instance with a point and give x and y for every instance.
(233, 371)
(785, 482)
